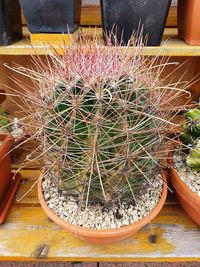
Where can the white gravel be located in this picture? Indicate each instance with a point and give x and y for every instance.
(189, 177)
(95, 216)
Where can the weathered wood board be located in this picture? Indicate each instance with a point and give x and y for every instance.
(28, 235)
(170, 46)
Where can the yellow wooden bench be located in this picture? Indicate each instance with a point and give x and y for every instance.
(28, 235)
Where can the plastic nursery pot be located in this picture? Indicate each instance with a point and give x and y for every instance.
(103, 236)
(189, 21)
(123, 18)
(9, 182)
(188, 199)
(52, 16)
(10, 22)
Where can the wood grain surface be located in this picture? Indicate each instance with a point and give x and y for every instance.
(171, 45)
(28, 235)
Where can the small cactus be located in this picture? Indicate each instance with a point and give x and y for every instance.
(193, 159)
(191, 136)
(192, 128)
(101, 115)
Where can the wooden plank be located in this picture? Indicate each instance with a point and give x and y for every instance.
(54, 39)
(27, 193)
(28, 235)
(172, 17)
(91, 16)
(171, 45)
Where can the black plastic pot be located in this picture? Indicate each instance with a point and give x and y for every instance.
(52, 16)
(10, 22)
(125, 17)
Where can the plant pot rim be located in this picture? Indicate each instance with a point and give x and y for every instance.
(7, 141)
(5, 136)
(7, 200)
(103, 233)
(9, 181)
(176, 175)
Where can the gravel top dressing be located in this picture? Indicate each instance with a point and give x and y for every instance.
(96, 216)
(189, 177)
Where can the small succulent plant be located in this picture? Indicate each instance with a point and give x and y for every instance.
(191, 136)
(100, 115)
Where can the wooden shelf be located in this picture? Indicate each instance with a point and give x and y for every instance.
(171, 45)
(28, 235)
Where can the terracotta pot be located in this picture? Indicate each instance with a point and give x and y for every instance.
(188, 199)
(8, 182)
(5, 164)
(103, 236)
(189, 21)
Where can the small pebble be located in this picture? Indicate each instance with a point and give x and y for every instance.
(96, 217)
(189, 177)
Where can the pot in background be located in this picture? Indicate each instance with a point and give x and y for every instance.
(9, 182)
(52, 16)
(189, 21)
(5, 164)
(10, 22)
(126, 17)
(187, 198)
(103, 236)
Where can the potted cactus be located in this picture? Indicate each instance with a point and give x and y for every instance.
(52, 16)
(100, 117)
(146, 19)
(185, 166)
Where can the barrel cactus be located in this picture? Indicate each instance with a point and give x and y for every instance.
(100, 116)
(191, 137)
(107, 134)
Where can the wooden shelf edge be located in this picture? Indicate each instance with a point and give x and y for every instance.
(46, 241)
(108, 260)
(171, 45)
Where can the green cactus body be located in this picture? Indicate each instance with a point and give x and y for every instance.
(106, 134)
(192, 128)
(191, 136)
(193, 159)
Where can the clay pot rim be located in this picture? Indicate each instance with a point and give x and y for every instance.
(175, 173)
(103, 233)
(7, 141)
(5, 137)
